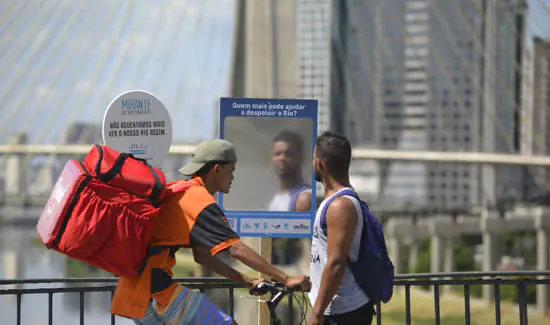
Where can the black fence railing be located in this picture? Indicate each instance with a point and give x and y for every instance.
(468, 281)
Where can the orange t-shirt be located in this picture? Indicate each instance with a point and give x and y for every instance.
(191, 218)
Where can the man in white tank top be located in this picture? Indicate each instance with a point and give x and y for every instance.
(287, 158)
(335, 296)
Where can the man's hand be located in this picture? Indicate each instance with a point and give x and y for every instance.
(315, 319)
(251, 284)
(302, 281)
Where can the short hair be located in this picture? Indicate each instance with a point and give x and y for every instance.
(290, 137)
(334, 150)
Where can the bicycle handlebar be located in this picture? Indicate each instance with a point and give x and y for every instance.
(278, 292)
(273, 288)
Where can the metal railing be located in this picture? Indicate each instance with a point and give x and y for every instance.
(83, 286)
(89, 285)
(467, 280)
(357, 153)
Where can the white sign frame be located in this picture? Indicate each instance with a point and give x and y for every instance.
(137, 122)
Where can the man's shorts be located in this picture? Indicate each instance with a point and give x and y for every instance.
(188, 308)
(362, 315)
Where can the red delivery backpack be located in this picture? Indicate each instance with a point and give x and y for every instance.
(102, 210)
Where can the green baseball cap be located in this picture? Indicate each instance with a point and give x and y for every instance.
(208, 151)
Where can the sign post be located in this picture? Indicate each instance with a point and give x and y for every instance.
(137, 122)
(266, 249)
(274, 140)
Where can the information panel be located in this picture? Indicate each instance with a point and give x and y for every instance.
(137, 122)
(272, 193)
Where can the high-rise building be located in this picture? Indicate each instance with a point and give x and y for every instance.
(313, 24)
(430, 75)
(536, 113)
(314, 19)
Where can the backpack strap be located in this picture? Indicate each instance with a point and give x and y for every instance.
(180, 186)
(349, 192)
(294, 196)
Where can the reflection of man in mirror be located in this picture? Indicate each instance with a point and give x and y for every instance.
(287, 159)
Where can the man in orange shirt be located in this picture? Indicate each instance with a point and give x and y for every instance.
(193, 219)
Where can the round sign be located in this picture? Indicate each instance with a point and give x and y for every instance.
(137, 122)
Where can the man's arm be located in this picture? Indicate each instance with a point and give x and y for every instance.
(248, 256)
(203, 257)
(341, 220)
(303, 203)
(214, 233)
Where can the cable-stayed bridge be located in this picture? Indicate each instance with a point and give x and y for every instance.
(446, 102)
(62, 65)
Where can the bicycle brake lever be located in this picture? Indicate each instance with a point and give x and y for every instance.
(260, 289)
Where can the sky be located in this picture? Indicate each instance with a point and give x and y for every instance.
(64, 61)
(538, 23)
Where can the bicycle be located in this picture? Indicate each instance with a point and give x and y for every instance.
(278, 292)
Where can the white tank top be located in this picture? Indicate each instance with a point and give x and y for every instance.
(349, 295)
(281, 201)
